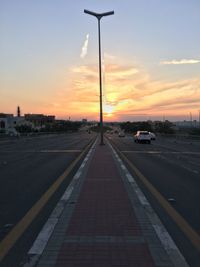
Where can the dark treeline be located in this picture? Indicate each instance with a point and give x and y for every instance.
(157, 126)
(97, 128)
(59, 126)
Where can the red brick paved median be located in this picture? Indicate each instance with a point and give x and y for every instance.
(103, 210)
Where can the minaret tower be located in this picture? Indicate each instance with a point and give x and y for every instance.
(18, 111)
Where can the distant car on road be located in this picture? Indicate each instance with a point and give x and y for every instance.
(121, 134)
(12, 132)
(142, 137)
(153, 136)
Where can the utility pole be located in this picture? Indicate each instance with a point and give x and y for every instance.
(99, 17)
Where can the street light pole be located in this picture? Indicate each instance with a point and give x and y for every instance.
(99, 16)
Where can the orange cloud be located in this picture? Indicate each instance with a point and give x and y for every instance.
(126, 90)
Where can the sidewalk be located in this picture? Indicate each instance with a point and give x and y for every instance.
(103, 223)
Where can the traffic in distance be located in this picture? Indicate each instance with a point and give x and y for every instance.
(141, 136)
(30, 165)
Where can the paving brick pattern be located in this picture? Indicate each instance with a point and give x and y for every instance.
(103, 229)
(104, 255)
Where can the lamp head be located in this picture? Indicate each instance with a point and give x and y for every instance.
(98, 15)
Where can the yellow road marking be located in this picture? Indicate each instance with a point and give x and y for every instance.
(7, 243)
(191, 234)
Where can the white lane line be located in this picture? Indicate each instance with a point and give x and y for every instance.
(47, 230)
(130, 178)
(194, 163)
(67, 193)
(42, 151)
(164, 237)
(161, 152)
(85, 160)
(43, 237)
(82, 166)
(77, 175)
(123, 167)
(58, 151)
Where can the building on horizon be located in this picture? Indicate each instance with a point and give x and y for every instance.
(38, 120)
(6, 121)
(9, 122)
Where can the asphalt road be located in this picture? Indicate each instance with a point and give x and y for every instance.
(173, 168)
(28, 167)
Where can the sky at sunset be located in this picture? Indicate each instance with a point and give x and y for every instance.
(150, 59)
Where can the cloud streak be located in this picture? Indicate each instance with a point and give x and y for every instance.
(180, 62)
(85, 47)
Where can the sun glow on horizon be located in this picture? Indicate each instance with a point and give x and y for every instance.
(108, 110)
(129, 94)
(128, 90)
(126, 96)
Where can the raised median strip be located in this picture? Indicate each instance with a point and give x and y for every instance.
(99, 225)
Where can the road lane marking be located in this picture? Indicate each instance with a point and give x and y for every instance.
(77, 175)
(165, 239)
(123, 167)
(161, 152)
(43, 237)
(44, 151)
(59, 151)
(191, 234)
(130, 178)
(10, 239)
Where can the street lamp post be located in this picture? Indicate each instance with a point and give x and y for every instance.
(99, 16)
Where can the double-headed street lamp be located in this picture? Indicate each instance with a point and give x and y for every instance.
(99, 16)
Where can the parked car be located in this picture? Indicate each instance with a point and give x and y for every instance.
(153, 136)
(142, 137)
(121, 134)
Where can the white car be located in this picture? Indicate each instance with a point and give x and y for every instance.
(121, 134)
(142, 137)
(153, 136)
